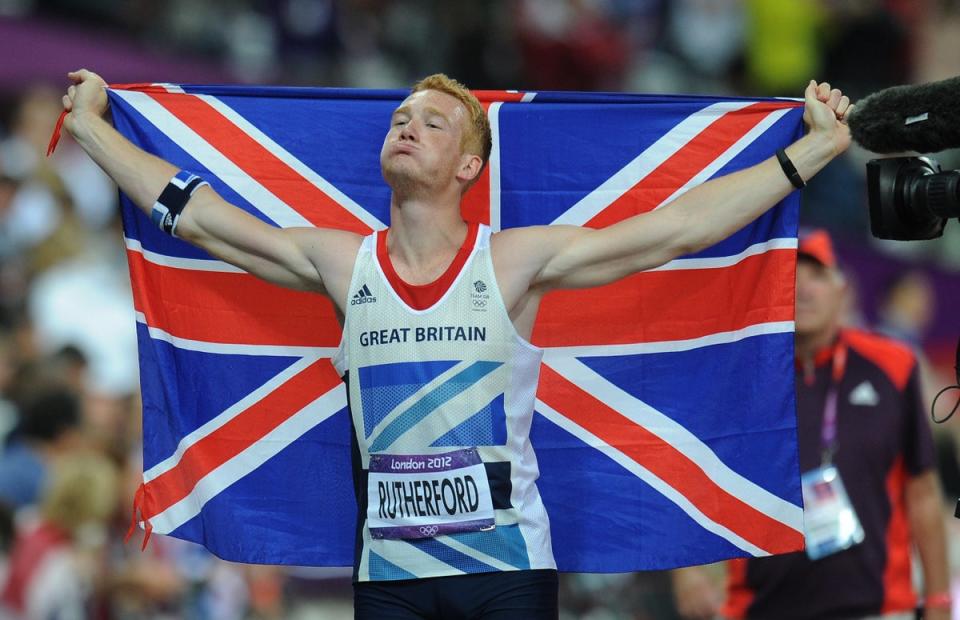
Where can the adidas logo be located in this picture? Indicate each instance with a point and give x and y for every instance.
(865, 395)
(363, 296)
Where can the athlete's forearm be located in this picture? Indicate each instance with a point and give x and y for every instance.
(925, 514)
(140, 175)
(700, 218)
(207, 221)
(715, 210)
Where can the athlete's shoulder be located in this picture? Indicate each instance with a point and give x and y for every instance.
(327, 246)
(327, 235)
(893, 357)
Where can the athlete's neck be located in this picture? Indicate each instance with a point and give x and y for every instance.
(424, 237)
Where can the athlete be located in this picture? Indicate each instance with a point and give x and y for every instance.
(437, 314)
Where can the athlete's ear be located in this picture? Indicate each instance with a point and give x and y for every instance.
(470, 167)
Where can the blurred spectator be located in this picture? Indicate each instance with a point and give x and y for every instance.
(869, 43)
(8, 189)
(170, 578)
(60, 258)
(481, 49)
(908, 305)
(623, 596)
(8, 412)
(49, 427)
(319, 592)
(23, 156)
(87, 303)
(783, 45)
(70, 364)
(29, 214)
(57, 560)
(308, 38)
(713, 57)
(571, 45)
(7, 532)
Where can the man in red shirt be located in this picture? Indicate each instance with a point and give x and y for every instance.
(875, 438)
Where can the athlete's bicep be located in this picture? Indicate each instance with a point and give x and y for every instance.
(303, 258)
(237, 237)
(585, 257)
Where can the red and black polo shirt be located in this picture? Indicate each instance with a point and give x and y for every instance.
(883, 439)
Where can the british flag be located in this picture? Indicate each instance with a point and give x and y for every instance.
(665, 418)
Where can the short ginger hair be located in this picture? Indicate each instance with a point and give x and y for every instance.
(476, 136)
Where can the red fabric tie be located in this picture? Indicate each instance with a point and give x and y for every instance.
(138, 500)
(55, 138)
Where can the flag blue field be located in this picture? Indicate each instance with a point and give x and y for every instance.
(665, 417)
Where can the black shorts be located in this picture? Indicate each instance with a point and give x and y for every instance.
(508, 595)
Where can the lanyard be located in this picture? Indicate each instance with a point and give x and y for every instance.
(828, 434)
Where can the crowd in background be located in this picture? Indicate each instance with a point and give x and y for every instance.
(69, 410)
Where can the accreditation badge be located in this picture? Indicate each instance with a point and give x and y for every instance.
(426, 495)
(829, 522)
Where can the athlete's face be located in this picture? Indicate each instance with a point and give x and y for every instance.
(821, 294)
(422, 148)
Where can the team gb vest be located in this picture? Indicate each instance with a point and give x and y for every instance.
(441, 401)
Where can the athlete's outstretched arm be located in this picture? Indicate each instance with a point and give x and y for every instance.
(302, 258)
(574, 257)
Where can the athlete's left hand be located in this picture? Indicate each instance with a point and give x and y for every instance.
(825, 112)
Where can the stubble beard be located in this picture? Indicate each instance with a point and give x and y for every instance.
(406, 180)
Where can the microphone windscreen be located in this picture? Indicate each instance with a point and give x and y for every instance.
(923, 118)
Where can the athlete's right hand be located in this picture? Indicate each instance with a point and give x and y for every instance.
(86, 96)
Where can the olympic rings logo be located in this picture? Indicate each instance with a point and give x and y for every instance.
(429, 530)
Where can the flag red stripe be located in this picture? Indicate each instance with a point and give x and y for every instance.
(237, 435)
(667, 463)
(229, 308)
(658, 306)
(686, 163)
(487, 97)
(255, 160)
(475, 206)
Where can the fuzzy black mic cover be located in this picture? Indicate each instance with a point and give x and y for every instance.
(923, 118)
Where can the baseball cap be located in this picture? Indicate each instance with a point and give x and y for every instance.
(817, 245)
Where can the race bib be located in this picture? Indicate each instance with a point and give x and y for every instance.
(829, 522)
(426, 495)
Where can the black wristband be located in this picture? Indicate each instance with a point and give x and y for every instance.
(790, 170)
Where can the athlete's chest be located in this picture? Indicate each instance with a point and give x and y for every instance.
(462, 311)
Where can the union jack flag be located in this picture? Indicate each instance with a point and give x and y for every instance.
(665, 418)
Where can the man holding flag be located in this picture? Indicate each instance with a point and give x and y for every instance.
(438, 313)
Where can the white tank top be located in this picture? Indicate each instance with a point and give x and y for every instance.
(454, 378)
